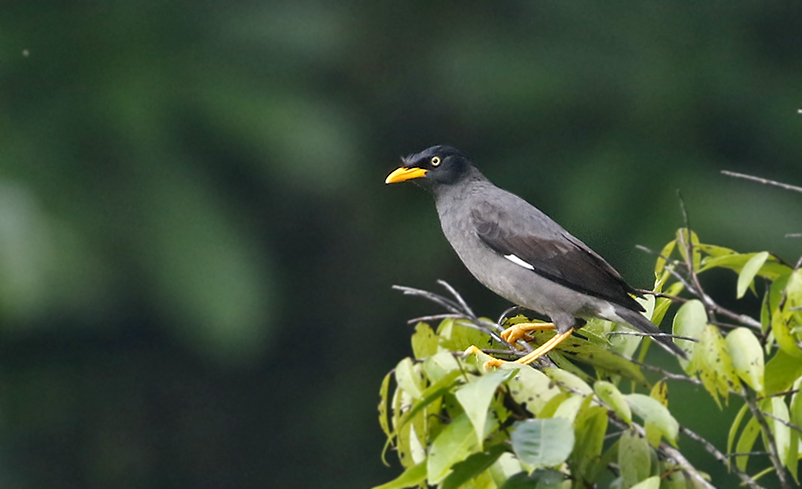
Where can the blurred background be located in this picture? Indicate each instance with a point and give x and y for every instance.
(197, 246)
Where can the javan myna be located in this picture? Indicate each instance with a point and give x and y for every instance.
(521, 254)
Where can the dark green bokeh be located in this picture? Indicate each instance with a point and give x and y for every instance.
(197, 249)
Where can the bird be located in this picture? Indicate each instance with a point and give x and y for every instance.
(517, 251)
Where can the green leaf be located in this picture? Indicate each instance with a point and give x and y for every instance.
(408, 378)
(539, 479)
(634, 459)
(542, 443)
(440, 365)
(424, 341)
(475, 399)
(472, 466)
(661, 304)
(659, 392)
(505, 467)
(746, 442)
(456, 336)
(581, 350)
(749, 272)
(610, 394)
(683, 242)
(454, 444)
(782, 433)
(747, 357)
(554, 403)
(530, 387)
(650, 483)
(796, 409)
(569, 408)
(716, 251)
(432, 393)
(590, 428)
(568, 380)
(660, 264)
(412, 477)
(689, 321)
(734, 428)
(408, 445)
(713, 365)
(770, 269)
(384, 391)
(673, 478)
(651, 411)
(781, 372)
(795, 415)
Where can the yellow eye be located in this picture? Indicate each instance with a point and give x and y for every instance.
(435, 160)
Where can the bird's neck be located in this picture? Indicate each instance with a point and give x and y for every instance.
(452, 196)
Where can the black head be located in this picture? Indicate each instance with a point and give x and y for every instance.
(438, 165)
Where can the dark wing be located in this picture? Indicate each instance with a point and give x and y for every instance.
(533, 239)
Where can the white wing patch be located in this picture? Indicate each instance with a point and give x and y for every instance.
(518, 261)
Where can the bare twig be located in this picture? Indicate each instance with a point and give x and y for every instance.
(712, 450)
(778, 394)
(458, 309)
(774, 455)
(762, 180)
(710, 304)
(434, 317)
(782, 421)
(746, 454)
(651, 335)
(665, 373)
(459, 298)
(507, 312)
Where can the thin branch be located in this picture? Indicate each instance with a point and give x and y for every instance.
(446, 303)
(459, 298)
(782, 421)
(652, 335)
(746, 454)
(458, 309)
(712, 306)
(764, 181)
(749, 396)
(778, 394)
(434, 317)
(507, 312)
(674, 298)
(712, 450)
(665, 373)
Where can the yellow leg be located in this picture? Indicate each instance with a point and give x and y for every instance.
(519, 331)
(530, 357)
(545, 348)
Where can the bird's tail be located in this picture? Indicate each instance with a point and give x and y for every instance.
(639, 322)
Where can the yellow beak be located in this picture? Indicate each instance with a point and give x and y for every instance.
(402, 174)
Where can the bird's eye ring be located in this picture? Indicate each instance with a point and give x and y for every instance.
(435, 160)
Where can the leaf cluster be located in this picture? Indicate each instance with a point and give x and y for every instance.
(588, 416)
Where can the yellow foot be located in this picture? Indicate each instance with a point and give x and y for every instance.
(492, 362)
(545, 348)
(519, 331)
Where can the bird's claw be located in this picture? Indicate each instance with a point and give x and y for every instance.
(520, 331)
(491, 362)
(513, 334)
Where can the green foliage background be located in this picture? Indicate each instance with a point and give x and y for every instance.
(196, 247)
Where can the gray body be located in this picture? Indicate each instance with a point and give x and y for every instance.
(520, 253)
(512, 281)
